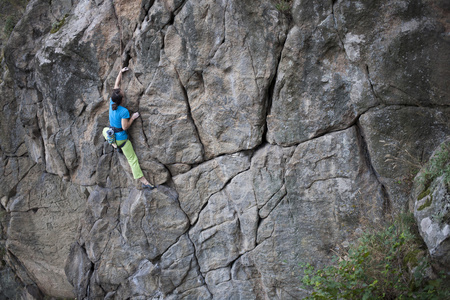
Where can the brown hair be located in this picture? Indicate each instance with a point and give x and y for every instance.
(116, 97)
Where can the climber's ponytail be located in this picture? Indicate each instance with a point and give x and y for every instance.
(116, 97)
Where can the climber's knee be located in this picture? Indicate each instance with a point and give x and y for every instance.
(104, 132)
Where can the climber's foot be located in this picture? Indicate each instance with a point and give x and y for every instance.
(148, 186)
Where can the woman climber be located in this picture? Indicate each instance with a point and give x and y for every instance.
(120, 121)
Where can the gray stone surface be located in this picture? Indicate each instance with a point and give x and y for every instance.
(318, 88)
(43, 223)
(273, 133)
(199, 184)
(400, 140)
(226, 60)
(432, 212)
(328, 192)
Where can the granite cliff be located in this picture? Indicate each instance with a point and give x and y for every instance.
(274, 129)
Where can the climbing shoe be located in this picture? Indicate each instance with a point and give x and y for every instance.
(148, 186)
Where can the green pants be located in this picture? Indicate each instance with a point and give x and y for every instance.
(128, 151)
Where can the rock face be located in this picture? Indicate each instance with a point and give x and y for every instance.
(274, 129)
(432, 210)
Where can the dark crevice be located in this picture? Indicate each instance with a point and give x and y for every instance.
(13, 191)
(119, 26)
(276, 204)
(263, 239)
(141, 225)
(189, 111)
(179, 7)
(90, 272)
(102, 288)
(209, 197)
(271, 88)
(199, 212)
(13, 154)
(326, 131)
(169, 23)
(198, 264)
(126, 58)
(231, 264)
(156, 260)
(18, 268)
(371, 84)
(386, 209)
(145, 8)
(173, 14)
(325, 179)
(336, 27)
(260, 220)
(271, 91)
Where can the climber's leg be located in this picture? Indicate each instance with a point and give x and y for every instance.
(104, 132)
(105, 135)
(128, 151)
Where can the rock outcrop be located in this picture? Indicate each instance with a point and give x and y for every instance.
(274, 129)
(432, 207)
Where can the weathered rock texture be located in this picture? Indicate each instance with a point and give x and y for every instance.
(274, 135)
(432, 209)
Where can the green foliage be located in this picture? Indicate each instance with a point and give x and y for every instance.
(10, 12)
(283, 5)
(424, 194)
(58, 24)
(439, 165)
(9, 25)
(389, 263)
(426, 204)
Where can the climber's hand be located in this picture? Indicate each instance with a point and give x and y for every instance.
(124, 69)
(135, 116)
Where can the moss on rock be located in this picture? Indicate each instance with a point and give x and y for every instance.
(422, 195)
(426, 204)
(57, 25)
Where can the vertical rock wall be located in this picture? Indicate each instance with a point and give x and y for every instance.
(274, 134)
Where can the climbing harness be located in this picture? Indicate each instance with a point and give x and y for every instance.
(111, 137)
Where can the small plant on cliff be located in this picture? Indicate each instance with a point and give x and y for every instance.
(58, 24)
(439, 165)
(283, 5)
(9, 25)
(384, 264)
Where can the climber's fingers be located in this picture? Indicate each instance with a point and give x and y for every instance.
(135, 115)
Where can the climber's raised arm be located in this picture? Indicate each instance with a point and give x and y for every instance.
(119, 78)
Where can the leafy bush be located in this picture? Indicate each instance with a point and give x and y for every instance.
(389, 263)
